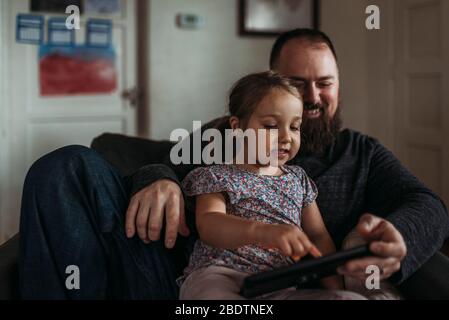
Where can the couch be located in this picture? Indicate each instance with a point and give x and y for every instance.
(128, 154)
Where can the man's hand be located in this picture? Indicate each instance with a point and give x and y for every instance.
(385, 242)
(146, 213)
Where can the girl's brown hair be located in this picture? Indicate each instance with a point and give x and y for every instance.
(249, 91)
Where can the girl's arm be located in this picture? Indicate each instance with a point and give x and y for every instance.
(313, 225)
(221, 230)
(225, 231)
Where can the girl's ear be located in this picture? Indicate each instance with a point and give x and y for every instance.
(234, 122)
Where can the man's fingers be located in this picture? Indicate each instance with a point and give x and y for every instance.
(155, 221)
(361, 265)
(383, 272)
(172, 217)
(142, 220)
(372, 228)
(368, 219)
(130, 220)
(358, 275)
(368, 223)
(387, 249)
(183, 229)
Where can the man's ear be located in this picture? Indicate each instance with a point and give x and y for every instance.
(234, 122)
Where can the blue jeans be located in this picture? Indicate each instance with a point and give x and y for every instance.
(73, 212)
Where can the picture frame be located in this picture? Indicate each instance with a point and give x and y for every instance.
(54, 6)
(273, 17)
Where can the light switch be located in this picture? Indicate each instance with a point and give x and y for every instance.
(189, 21)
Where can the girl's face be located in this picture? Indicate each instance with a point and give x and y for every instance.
(282, 111)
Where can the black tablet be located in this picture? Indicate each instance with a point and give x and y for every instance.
(299, 273)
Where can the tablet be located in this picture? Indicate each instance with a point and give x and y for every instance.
(300, 273)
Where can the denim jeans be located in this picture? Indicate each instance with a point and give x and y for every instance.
(73, 213)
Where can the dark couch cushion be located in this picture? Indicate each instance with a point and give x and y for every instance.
(9, 276)
(128, 154)
(430, 282)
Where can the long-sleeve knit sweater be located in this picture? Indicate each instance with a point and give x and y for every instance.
(357, 175)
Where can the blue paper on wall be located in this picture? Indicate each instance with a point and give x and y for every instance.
(99, 33)
(30, 29)
(59, 34)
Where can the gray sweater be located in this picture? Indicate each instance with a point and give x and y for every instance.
(358, 175)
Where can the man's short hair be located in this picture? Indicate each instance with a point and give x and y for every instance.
(312, 35)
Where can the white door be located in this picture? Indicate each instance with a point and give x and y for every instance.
(422, 90)
(39, 124)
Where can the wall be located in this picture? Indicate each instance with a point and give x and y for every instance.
(344, 22)
(192, 71)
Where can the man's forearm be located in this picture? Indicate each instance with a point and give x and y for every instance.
(423, 222)
(146, 175)
(416, 212)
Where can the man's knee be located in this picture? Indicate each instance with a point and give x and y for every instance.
(66, 155)
(62, 161)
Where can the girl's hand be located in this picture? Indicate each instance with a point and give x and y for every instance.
(288, 239)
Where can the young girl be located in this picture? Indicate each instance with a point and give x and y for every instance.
(251, 217)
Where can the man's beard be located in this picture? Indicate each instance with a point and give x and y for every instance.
(317, 135)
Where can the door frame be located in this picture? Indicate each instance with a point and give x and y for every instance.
(143, 67)
(5, 36)
(381, 78)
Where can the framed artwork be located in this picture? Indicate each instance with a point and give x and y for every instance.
(273, 17)
(110, 7)
(77, 70)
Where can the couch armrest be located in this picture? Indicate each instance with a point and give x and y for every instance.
(9, 275)
(431, 281)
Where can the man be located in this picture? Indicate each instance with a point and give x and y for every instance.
(74, 202)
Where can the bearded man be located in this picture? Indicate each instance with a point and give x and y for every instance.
(75, 205)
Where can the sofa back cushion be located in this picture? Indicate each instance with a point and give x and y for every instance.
(128, 154)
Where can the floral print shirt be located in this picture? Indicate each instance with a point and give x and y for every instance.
(268, 199)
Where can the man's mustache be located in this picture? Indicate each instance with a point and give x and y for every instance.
(313, 106)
